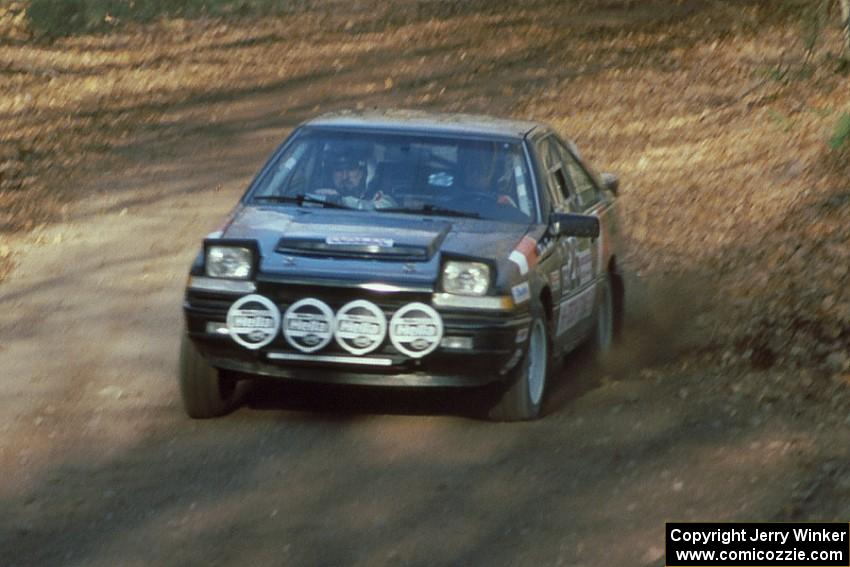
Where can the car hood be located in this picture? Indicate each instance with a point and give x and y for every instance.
(360, 246)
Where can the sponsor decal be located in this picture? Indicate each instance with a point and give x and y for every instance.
(544, 246)
(416, 330)
(525, 254)
(359, 241)
(360, 327)
(253, 321)
(520, 261)
(576, 309)
(585, 266)
(308, 325)
(520, 293)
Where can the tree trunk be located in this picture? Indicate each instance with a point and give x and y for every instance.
(845, 23)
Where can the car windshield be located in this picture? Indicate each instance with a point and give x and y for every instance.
(399, 173)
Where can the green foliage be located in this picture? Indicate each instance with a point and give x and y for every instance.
(58, 18)
(780, 120)
(841, 136)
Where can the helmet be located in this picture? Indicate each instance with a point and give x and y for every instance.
(345, 161)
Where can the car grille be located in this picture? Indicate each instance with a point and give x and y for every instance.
(285, 295)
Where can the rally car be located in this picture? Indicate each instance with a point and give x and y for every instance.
(406, 249)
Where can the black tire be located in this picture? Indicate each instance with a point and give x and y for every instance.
(605, 325)
(522, 400)
(206, 391)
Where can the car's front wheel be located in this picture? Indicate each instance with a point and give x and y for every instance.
(523, 399)
(206, 391)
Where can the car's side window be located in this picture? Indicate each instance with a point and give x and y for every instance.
(556, 181)
(586, 189)
(561, 184)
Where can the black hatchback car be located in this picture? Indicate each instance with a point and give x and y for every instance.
(406, 249)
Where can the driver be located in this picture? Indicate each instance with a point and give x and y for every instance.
(348, 176)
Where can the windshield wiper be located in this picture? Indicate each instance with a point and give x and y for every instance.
(300, 199)
(435, 210)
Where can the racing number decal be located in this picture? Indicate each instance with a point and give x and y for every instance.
(575, 309)
(584, 263)
(581, 268)
(580, 264)
(569, 272)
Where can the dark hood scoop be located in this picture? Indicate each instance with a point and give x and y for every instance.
(400, 241)
(341, 247)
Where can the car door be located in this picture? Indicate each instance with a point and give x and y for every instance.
(590, 253)
(568, 306)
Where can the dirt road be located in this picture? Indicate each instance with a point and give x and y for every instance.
(101, 467)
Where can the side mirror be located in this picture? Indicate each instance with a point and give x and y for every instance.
(571, 224)
(611, 182)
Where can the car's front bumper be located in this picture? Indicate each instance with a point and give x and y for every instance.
(478, 348)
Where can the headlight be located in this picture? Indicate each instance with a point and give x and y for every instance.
(466, 278)
(228, 262)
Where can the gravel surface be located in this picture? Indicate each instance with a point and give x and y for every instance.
(726, 401)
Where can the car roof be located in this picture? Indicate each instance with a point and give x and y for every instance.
(426, 122)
